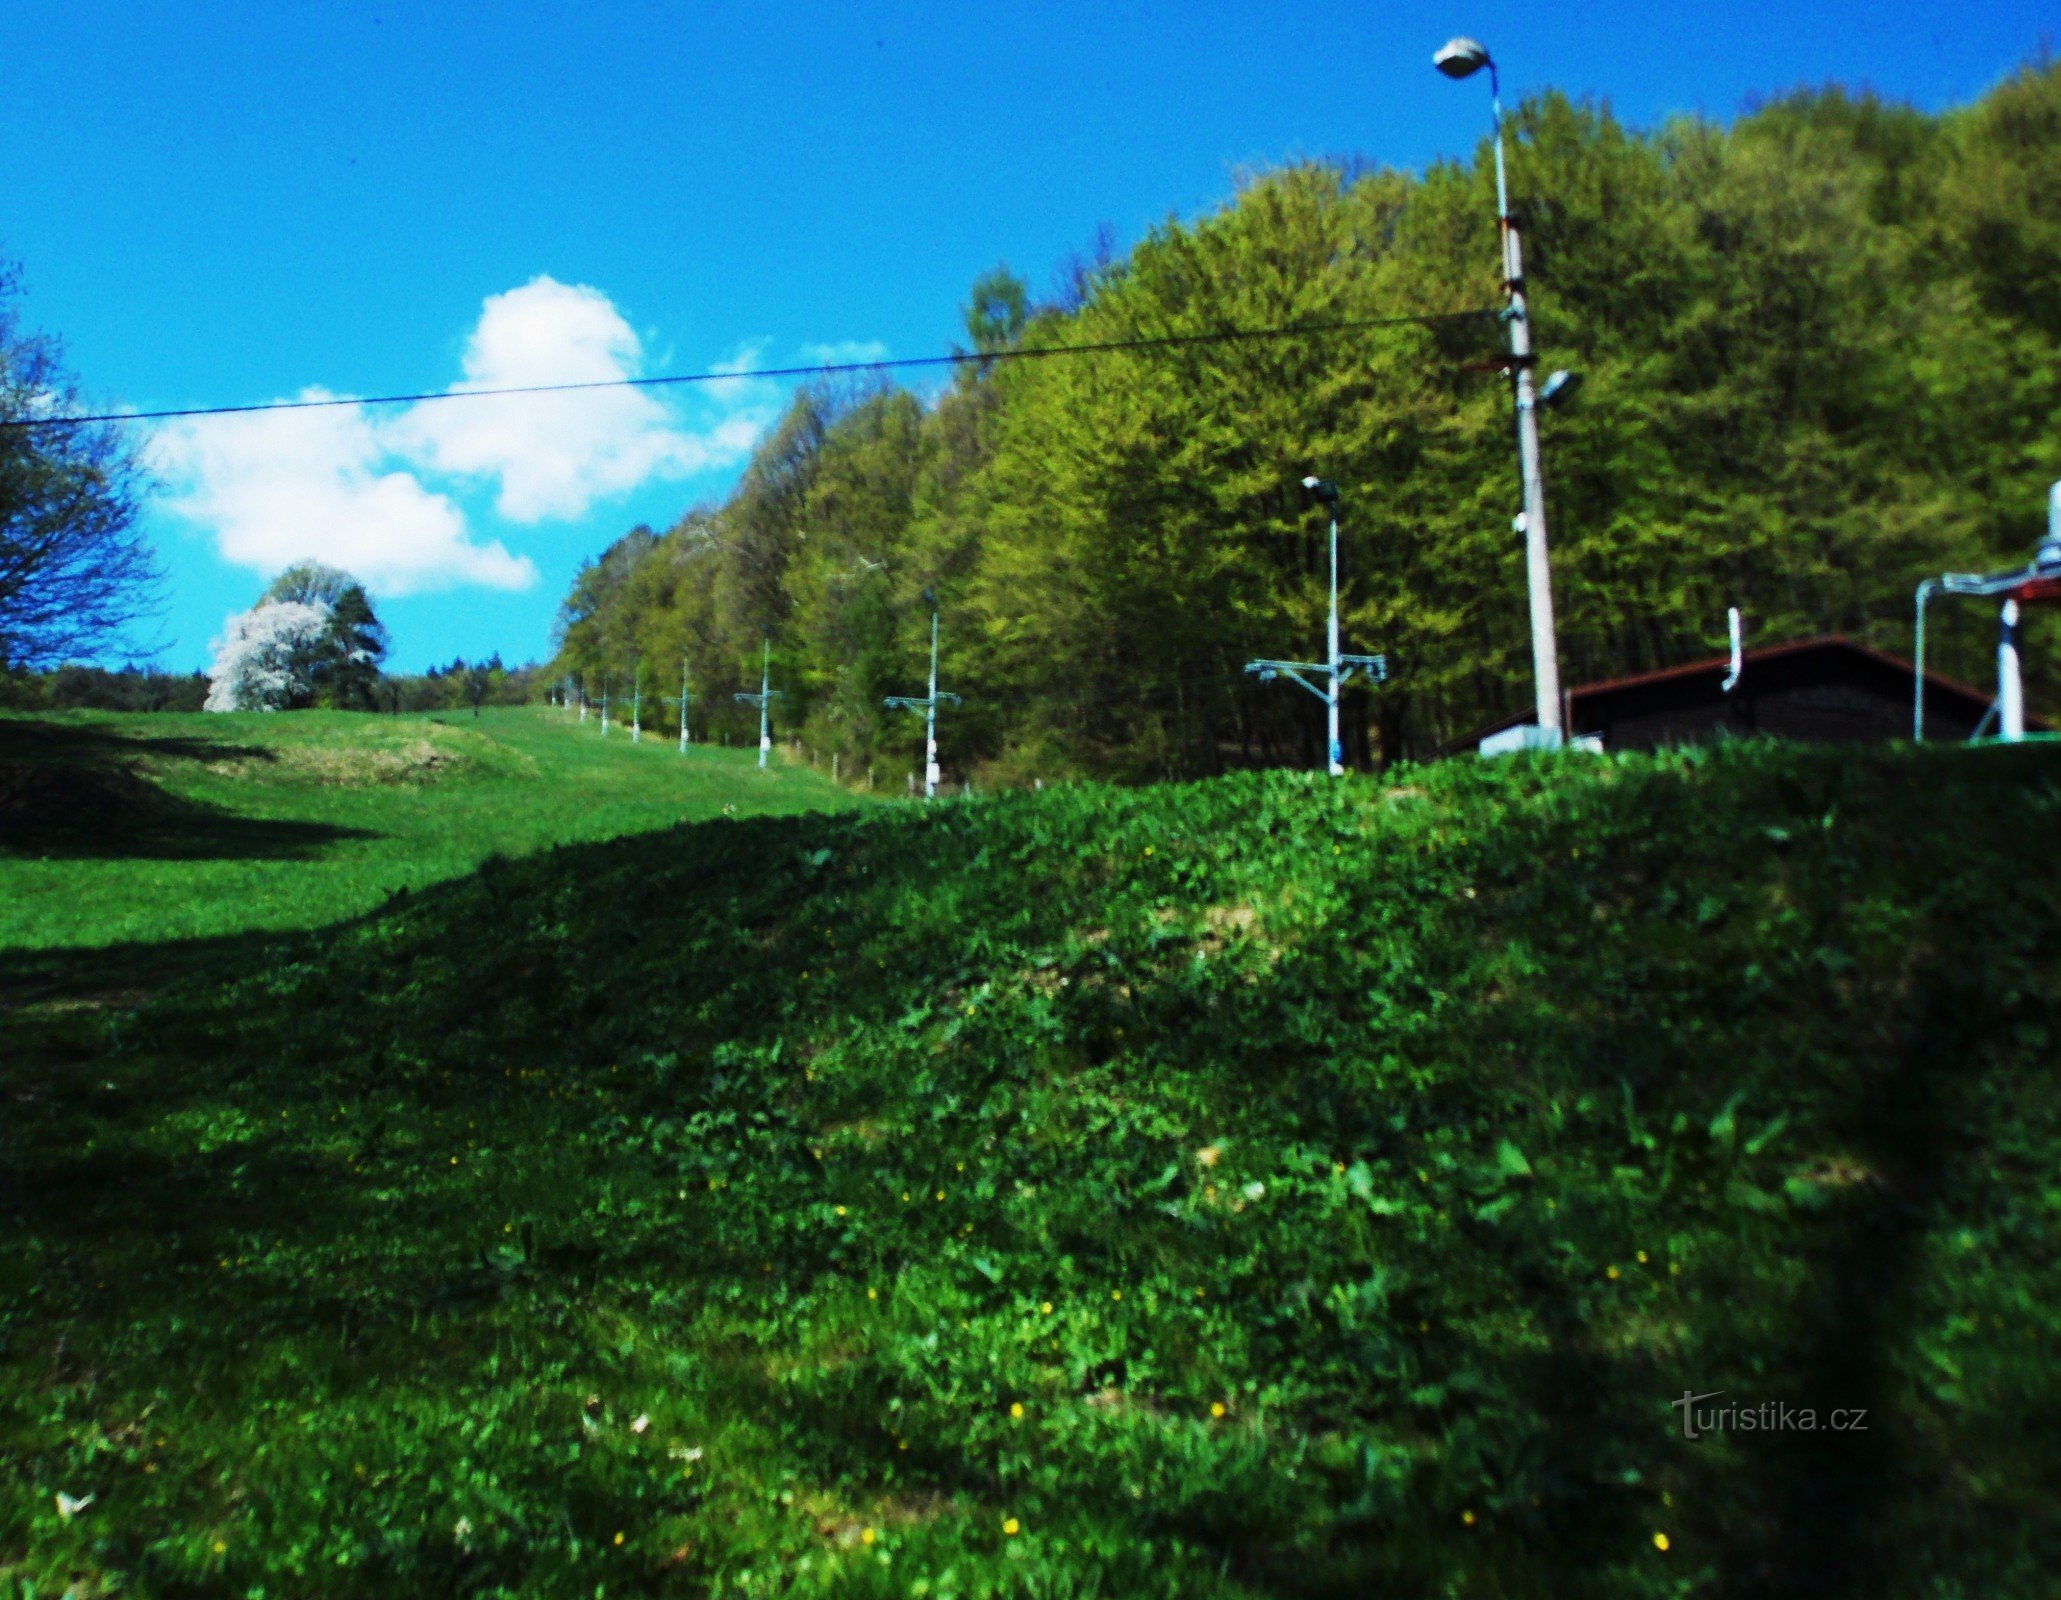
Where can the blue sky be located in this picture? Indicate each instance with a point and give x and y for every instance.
(216, 203)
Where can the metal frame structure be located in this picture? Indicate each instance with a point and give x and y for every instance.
(2032, 585)
(928, 706)
(765, 697)
(1336, 669)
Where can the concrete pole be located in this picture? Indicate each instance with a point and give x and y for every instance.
(1545, 648)
(583, 700)
(683, 707)
(930, 766)
(2010, 686)
(1337, 753)
(637, 704)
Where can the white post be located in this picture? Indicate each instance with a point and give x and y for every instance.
(583, 700)
(930, 766)
(683, 707)
(637, 703)
(765, 684)
(2010, 686)
(604, 705)
(1331, 695)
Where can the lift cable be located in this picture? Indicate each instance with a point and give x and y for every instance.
(960, 358)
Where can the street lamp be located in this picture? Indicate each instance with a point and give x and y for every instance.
(1462, 58)
(1335, 669)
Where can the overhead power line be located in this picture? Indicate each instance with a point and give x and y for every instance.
(1169, 341)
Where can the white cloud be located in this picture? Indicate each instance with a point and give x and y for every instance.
(284, 486)
(554, 455)
(846, 352)
(359, 491)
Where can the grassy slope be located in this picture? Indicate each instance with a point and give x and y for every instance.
(1341, 1179)
(198, 826)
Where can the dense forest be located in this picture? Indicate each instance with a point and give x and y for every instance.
(1819, 352)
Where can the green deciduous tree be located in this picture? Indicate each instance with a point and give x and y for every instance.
(1819, 351)
(347, 675)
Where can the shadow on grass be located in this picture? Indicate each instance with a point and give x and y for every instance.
(74, 793)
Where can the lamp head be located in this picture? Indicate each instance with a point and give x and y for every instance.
(1461, 57)
(1559, 388)
(1322, 489)
(930, 598)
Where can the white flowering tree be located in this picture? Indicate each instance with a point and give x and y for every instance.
(267, 657)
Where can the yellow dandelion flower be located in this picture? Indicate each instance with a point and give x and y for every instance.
(1660, 1541)
(840, 1211)
(1467, 1517)
(618, 1538)
(1216, 1408)
(1046, 1308)
(867, 1535)
(1016, 1409)
(1116, 1294)
(220, 1547)
(1610, 1272)
(454, 1161)
(1011, 1526)
(941, 1194)
(872, 1294)
(962, 1166)
(1642, 1258)
(905, 1197)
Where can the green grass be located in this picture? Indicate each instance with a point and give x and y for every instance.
(144, 828)
(1341, 1178)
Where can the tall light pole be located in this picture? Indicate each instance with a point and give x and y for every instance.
(765, 697)
(683, 705)
(636, 700)
(1336, 668)
(928, 706)
(1462, 58)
